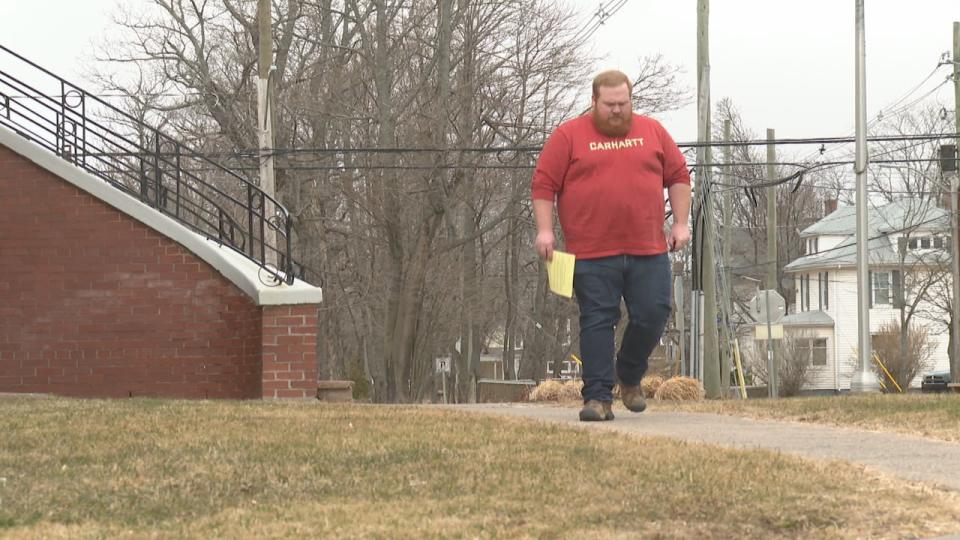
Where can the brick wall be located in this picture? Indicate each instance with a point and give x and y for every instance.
(94, 303)
(289, 351)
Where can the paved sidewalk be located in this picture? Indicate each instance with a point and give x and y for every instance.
(912, 458)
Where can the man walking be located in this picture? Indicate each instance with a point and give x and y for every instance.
(607, 170)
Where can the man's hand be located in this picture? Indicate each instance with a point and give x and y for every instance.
(545, 243)
(679, 236)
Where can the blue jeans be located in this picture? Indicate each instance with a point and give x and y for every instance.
(644, 284)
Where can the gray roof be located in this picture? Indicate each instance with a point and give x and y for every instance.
(807, 318)
(913, 215)
(840, 222)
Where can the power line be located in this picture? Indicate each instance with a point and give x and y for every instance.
(887, 109)
(254, 152)
(601, 15)
(806, 169)
(904, 108)
(309, 166)
(824, 140)
(379, 167)
(893, 105)
(399, 150)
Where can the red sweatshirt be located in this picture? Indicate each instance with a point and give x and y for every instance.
(609, 191)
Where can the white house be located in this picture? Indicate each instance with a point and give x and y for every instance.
(907, 238)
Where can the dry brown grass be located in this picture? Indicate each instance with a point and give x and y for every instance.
(679, 389)
(936, 416)
(559, 391)
(175, 469)
(567, 391)
(650, 384)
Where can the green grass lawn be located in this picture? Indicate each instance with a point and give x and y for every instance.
(201, 469)
(929, 415)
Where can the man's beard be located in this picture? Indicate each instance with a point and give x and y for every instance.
(618, 129)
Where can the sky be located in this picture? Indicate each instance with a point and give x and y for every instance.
(786, 65)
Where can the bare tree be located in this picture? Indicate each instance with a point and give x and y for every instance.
(418, 241)
(656, 87)
(799, 205)
(913, 185)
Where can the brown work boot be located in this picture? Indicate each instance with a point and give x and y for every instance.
(632, 397)
(596, 411)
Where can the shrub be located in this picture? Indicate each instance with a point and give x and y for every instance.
(904, 365)
(793, 360)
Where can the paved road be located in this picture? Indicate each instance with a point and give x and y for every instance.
(912, 458)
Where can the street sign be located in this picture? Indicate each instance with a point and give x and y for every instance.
(442, 365)
(758, 306)
(775, 329)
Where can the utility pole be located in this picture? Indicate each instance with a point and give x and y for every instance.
(711, 364)
(265, 124)
(863, 380)
(724, 270)
(773, 367)
(955, 220)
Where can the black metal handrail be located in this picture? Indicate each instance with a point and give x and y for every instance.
(145, 163)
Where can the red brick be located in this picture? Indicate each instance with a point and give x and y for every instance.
(291, 394)
(305, 384)
(289, 340)
(275, 385)
(302, 348)
(276, 331)
(48, 371)
(112, 300)
(294, 322)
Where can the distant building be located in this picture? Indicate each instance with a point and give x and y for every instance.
(909, 242)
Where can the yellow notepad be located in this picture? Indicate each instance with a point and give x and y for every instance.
(560, 273)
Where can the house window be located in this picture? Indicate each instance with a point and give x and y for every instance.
(823, 280)
(937, 242)
(812, 245)
(925, 242)
(813, 350)
(818, 352)
(897, 289)
(804, 299)
(881, 289)
(912, 244)
(887, 289)
(799, 293)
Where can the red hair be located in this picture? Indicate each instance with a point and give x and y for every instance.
(610, 78)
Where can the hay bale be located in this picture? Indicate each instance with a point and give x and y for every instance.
(679, 389)
(572, 390)
(555, 390)
(546, 391)
(650, 384)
